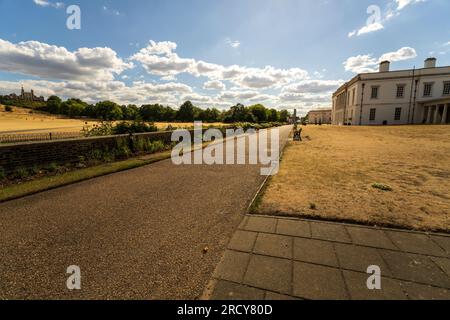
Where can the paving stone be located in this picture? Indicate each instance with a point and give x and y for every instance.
(243, 223)
(443, 263)
(243, 241)
(370, 237)
(232, 266)
(273, 245)
(417, 291)
(276, 296)
(315, 251)
(357, 286)
(415, 268)
(269, 273)
(444, 242)
(225, 290)
(294, 228)
(331, 232)
(360, 258)
(261, 224)
(318, 282)
(415, 243)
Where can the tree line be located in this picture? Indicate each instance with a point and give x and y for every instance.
(187, 112)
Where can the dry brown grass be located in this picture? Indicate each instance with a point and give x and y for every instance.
(335, 171)
(22, 120)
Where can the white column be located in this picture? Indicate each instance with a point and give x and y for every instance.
(429, 115)
(436, 115)
(444, 115)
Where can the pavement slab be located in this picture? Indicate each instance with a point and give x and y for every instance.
(306, 259)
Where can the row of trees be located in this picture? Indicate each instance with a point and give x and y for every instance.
(108, 110)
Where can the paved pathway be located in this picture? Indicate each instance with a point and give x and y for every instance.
(138, 234)
(280, 258)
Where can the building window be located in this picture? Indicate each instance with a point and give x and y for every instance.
(373, 114)
(428, 90)
(446, 88)
(400, 90)
(354, 95)
(398, 114)
(374, 92)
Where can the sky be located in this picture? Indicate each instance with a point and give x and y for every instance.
(284, 54)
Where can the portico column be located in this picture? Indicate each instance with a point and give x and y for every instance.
(429, 115)
(444, 115)
(436, 115)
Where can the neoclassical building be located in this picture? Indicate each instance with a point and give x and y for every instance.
(416, 96)
(320, 116)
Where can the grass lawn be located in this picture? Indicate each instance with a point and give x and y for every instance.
(340, 172)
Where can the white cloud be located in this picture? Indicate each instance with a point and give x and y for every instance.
(366, 29)
(233, 43)
(404, 53)
(401, 4)
(367, 63)
(46, 3)
(160, 59)
(313, 86)
(377, 19)
(52, 62)
(214, 85)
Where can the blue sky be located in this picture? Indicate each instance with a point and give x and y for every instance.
(283, 53)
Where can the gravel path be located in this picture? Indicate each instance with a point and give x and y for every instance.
(138, 234)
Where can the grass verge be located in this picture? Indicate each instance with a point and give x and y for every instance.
(48, 183)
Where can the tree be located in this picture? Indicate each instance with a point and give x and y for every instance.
(130, 112)
(259, 112)
(108, 110)
(54, 104)
(284, 116)
(186, 113)
(273, 115)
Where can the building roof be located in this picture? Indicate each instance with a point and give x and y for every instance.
(395, 74)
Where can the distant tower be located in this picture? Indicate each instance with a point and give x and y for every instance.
(22, 94)
(32, 95)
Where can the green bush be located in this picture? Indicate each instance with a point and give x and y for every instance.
(52, 167)
(2, 173)
(122, 150)
(102, 129)
(95, 155)
(134, 127)
(382, 187)
(21, 173)
(34, 170)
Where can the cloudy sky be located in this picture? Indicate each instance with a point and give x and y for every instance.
(283, 53)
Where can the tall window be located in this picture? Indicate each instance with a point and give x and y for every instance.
(354, 95)
(374, 92)
(373, 114)
(400, 90)
(428, 90)
(446, 88)
(398, 114)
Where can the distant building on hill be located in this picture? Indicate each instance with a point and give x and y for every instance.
(319, 116)
(25, 96)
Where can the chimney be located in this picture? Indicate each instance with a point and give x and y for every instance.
(430, 63)
(384, 66)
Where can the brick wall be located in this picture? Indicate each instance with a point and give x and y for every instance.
(27, 155)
